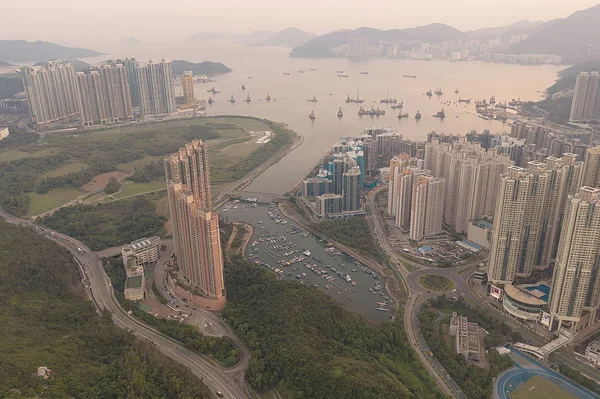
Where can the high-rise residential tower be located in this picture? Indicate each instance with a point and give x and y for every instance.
(586, 99)
(161, 88)
(351, 189)
(187, 81)
(591, 171)
(195, 225)
(51, 92)
(576, 280)
(427, 206)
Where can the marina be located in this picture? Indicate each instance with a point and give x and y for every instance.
(288, 251)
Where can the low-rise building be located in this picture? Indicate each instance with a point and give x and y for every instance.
(524, 302)
(146, 250)
(592, 352)
(4, 132)
(467, 341)
(135, 284)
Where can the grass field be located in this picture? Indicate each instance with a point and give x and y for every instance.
(138, 163)
(41, 203)
(65, 169)
(139, 188)
(14, 155)
(436, 282)
(248, 124)
(539, 387)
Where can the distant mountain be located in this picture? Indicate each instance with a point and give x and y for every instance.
(256, 36)
(130, 41)
(320, 47)
(214, 36)
(519, 27)
(290, 37)
(4, 63)
(568, 76)
(23, 51)
(202, 68)
(575, 38)
(77, 64)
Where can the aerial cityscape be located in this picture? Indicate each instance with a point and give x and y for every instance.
(379, 206)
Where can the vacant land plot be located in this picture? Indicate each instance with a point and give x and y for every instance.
(100, 181)
(131, 188)
(539, 387)
(65, 169)
(40, 203)
(436, 282)
(14, 155)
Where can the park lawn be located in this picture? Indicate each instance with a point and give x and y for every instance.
(138, 163)
(248, 124)
(14, 155)
(40, 203)
(539, 387)
(132, 189)
(65, 169)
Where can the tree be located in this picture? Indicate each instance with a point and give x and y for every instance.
(113, 186)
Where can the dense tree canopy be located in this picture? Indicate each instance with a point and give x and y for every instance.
(46, 322)
(303, 338)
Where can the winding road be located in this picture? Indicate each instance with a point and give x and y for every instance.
(99, 289)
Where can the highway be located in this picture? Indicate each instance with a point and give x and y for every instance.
(99, 288)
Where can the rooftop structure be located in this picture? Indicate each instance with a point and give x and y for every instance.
(467, 341)
(146, 250)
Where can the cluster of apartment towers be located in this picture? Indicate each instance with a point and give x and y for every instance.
(548, 211)
(102, 95)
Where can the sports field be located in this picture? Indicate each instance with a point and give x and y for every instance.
(539, 387)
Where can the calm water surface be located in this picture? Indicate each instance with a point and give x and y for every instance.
(261, 70)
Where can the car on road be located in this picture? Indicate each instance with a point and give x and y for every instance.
(219, 394)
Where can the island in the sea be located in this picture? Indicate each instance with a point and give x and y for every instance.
(208, 68)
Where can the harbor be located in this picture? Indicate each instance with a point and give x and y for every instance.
(285, 249)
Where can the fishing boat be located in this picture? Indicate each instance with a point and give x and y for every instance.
(465, 100)
(243, 86)
(286, 73)
(492, 100)
(312, 100)
(312, 69)
(388, 100)
(440, 114)
(439, 92)
(402, 115)
(213, 90)
(340, 113)
(340, 71)
(399, 105)
(232, 100)
(382, 309)
(248, 99)
(210, 100)
(410, 76)
(418, 115)
(300, 71)
(364, 72)
(342, 76)
(268, 97)
(312, 116)
(429, 94)
(456, 91)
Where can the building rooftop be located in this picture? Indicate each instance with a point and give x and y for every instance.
(523, 295)
(134, 282)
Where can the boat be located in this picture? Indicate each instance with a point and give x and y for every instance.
(364, 72)
(402, 115)
(440, 114)
(268, 97)
(243, 86)
(248, 99)
(493, 100)
(354, 283)
(418, 115)
(348, 278)
(439, 92)
(286, 73)
(312, 115)
(213, 90)
(382, 309)
(312, 69)
(399, 105)
(306, 253)
(388, 100)
(466, 100)
(456, 91)
(371, 112)
(232, 100)
(340, 71)
(429, 94)
(356, 100)
(340, 113)
(410, 76)
(210, 100)
(313, 100)
(342, 76)
(300, 71)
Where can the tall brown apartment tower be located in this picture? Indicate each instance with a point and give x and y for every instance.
(195, 226)
(187, 81)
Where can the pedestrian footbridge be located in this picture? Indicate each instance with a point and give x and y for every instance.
(564, 337)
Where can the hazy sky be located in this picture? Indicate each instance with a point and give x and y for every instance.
(78, 21)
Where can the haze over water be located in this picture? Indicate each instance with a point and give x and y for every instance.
(289, 93)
